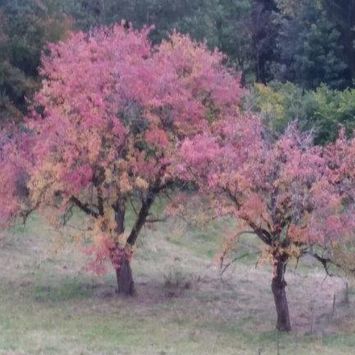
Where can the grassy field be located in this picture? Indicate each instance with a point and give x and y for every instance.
(49, 304)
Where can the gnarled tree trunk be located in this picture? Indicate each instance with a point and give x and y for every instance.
(121, 257)
(278, 287)
(125, 283)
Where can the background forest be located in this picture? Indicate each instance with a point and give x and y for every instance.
(296, 57)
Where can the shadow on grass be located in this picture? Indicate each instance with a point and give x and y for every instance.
(72, 289)
(64, 290)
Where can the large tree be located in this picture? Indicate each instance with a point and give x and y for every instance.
(106, 126)
(309, 48)
(264, 31)
(342, 14)
(295, 197)
(25, 27)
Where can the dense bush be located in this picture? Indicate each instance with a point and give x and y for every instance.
(323, 110)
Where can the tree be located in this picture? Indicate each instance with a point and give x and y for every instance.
(309, 50)
(233, 34)
(8, 174)
(195, 16)
(342, 14)
(13, 174)
(25, 27)
(295, 197)
(340, 160)
(106, 127)
(264, 31)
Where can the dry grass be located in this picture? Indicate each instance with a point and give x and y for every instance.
(50, 305)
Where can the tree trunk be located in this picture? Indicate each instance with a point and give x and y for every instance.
(125, 283)
(119, 257)
(121, 262)
(278, 286)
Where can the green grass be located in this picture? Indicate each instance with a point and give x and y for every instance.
(49, 304)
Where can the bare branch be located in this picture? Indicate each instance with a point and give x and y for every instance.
(84, 207)
(324, 261)
(133, 207)
(225, 267)
(100, 201)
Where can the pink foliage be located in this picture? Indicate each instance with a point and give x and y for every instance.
(287, 190)
(111, 96)
(78, 178)
(100, 252)
(104, 250)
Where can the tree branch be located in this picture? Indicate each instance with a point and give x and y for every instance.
(142, 216)
(262, 234)
(100, 201)
(226, 266)
(84, 207)
(133, 207)
(324, 261)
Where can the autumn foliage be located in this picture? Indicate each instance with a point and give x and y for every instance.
(296, 197)
(119, 121)
(16, 162)
(106, 127)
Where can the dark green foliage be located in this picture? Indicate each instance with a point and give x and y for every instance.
(165, 15)
(309, 50)
(264, 30)
(25, 28)
(342, 14)
(232, 29)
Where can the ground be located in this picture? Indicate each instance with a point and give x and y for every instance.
(49, 303)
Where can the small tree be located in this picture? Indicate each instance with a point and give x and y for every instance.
(13, 174)
(296, 197)
(8, 174)
(106, 127)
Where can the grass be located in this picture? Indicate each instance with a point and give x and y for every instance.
(50, 305)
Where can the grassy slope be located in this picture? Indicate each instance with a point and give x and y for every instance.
(50, 305)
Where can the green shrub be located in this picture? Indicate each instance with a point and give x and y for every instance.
(322, 110)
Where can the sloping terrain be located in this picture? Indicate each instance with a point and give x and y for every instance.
(49, 304)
